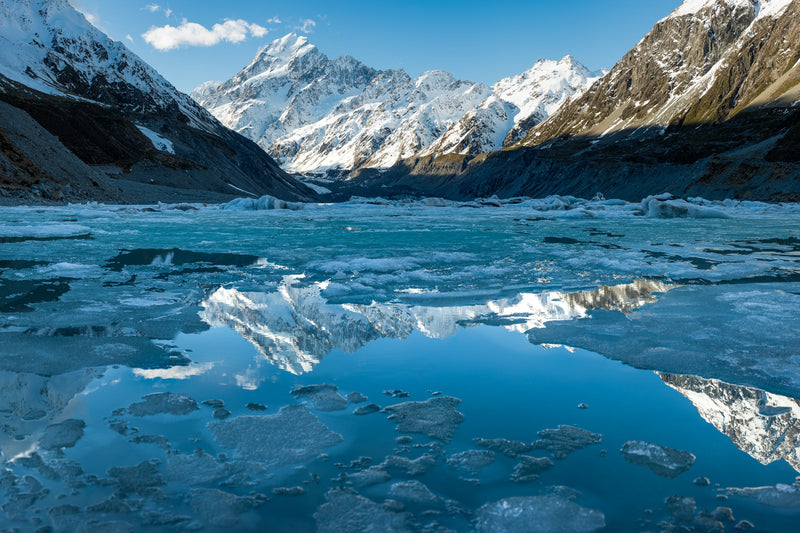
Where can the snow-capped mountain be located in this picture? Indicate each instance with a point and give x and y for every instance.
(766, 426)
(313, 114)
(110, 108)
(516, 105)
(49, 46)
(704, 63)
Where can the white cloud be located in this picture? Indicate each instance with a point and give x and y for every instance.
(274, 20)
(155, 8)
(307, 25)
(192, 34)
(93, 19)
(129, 38)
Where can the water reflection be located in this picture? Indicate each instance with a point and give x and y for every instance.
(295, 326)
(766, 426)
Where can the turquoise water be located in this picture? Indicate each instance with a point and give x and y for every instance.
(100, 307)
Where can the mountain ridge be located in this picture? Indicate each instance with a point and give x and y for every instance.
(315, 114)
(704, 105)
(138, 137)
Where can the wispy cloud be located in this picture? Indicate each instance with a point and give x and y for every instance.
(128, 37)
(274, 20)
(193, 34)
(307, 25)
(155, 8)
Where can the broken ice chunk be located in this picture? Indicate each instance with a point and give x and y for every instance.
(346, 511)
(163, 403)
(537, 514)
(142, 479)
(471, 460)
(565, 440)
(321, 397)
(780, 496)
(62, 435)
(291, 436)
(367, 409)
(509, 448)
(529, 468)
(437, 418)
(415, 467)
(221, 509)
(664, 461)
(374, 475)
(356, 397)
(415, 492)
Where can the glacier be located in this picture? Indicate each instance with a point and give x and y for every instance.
(406, 364)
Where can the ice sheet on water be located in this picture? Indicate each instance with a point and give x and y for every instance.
(437, 418)
(163, 403)
(537, 514)
(780, 496)
(750, 337)
(321, 397)
(221, 509)
(292, 436)
(347, 511)
(662, 460)
(18, 233)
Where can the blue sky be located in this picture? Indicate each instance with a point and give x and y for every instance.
(477, 41)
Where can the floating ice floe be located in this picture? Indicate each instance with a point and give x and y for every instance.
(471, 461)
(415, 492)
(664, 461)
(530, 468)
(219, 508)
(43, 232)
(347, 511)
(537, 514)
(565, 440)
(62, 435)
(163, 403)
(292, 436)
(780, 496)
(437, 418)
(321, 397)
(509, 448)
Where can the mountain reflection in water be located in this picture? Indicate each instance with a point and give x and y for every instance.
(295, 327)
(764, 425)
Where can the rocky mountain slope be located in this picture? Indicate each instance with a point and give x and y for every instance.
(703, 105)
(516, 105)
(134, 135)
(315, 114)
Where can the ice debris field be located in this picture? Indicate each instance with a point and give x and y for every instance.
(424, 365)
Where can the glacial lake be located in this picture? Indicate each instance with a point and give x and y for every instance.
(535, 365)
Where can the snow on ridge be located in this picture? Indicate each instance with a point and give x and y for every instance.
(315, 114)
(160, 143)
(41, 39)
(762, 8)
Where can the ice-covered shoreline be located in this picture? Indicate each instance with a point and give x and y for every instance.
(664, 206)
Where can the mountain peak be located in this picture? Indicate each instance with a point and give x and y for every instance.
(288, 46)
